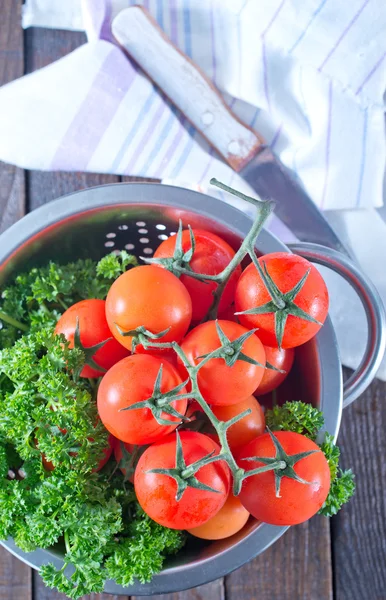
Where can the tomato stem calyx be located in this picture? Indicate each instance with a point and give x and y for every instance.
(232, 351)
(141, 335)
(281, 304)
(182, 474)
(89, 352)
(160, 402)
(179, 263)
(282, 464)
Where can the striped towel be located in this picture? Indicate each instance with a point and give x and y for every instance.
(309, 75)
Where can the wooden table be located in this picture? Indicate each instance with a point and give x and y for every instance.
(344, 558)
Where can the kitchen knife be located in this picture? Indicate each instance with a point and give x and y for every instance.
(198, 99)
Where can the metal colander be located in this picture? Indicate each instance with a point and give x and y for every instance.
(137, 217)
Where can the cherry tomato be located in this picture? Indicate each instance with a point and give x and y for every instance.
(221, 384)
(296, 501)
(281, 359)
(245, 430)
(148, 297)
(211, 255)
(286, 270)
(93, 329)
(156, 492)
(130, 381)
(228, 521)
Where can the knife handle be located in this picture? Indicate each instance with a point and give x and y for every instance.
(186, 86)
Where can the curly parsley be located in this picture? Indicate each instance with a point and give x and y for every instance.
(46, 411)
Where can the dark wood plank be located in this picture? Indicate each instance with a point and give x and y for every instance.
(210, 591)
(43, 593)
(15, 577)
(359, 530)
(297, 567)
(12, 198)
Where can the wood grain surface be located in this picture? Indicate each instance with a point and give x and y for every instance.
(15, 577)
(359, 531)
(340, 559)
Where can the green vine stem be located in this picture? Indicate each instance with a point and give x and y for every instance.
(14, 322)
(264, 209)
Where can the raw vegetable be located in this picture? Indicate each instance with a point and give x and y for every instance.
(39, 297)
(52, 441)
(44, 408)
(282, 360)
(304, 418)
(228, 521)
(169, 488)
(84, 325)
(238, 362)
(148, 303)
(290, 492)
(202, 252)
(295, 416)
(284, 296)
(141, 399)
(342, 482)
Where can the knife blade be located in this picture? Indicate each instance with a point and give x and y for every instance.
(188, 88)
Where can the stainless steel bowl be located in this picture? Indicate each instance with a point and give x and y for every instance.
(137, 216)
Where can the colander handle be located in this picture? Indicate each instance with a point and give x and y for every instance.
(374, 308)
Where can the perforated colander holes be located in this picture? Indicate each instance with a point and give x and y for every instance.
(142, 239)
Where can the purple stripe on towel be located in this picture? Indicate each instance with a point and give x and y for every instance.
(363, 158)
(328, 144)
(149, 132)
(96, 112)
(173, 21)
(343, 34)
(170, 151)
(371, 73)
(264, 53)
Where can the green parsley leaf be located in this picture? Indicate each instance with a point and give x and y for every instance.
(113, 265)
(342, 482)
(295, 416)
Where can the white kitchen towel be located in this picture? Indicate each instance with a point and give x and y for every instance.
(309, 75)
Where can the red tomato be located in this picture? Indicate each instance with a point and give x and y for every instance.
(130, 381)
(228, 521)
(211, 255)
(93, 329)
(156, 492)
(219, 383)
(150, 297)
(247, 428)
(286, 270)
(297, 501)
(281, 359)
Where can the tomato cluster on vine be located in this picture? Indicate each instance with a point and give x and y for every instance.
(183, 346)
